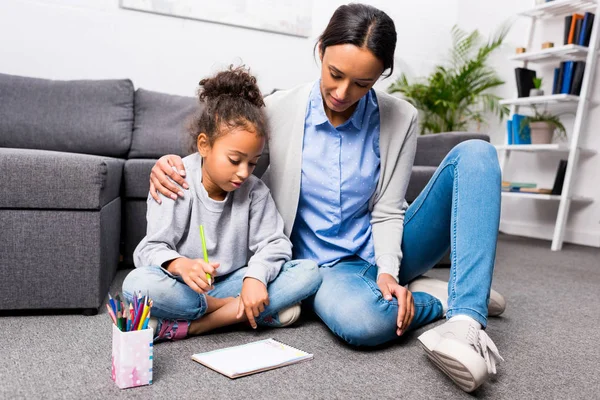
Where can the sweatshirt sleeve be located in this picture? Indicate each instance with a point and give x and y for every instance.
(167, 223)
(267, 241)
(387, 217)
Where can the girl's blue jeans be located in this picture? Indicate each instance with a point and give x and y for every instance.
(459, 209)
(174, 299)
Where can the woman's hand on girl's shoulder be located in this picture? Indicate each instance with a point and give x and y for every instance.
(169, 166)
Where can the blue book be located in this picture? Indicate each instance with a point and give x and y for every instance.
(586, 29)
(567, 78)
(555, 83)
(520, 136)
(509, 131)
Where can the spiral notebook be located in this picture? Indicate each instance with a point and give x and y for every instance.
(251, 358)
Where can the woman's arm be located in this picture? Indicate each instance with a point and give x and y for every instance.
(169, 166)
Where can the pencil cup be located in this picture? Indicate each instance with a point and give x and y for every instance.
(132, 354)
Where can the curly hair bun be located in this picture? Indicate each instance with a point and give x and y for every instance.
(234, 82)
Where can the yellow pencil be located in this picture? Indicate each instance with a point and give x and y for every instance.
(208, 277)
(144, 315)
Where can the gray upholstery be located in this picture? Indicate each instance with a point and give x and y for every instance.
(431, 149)
(161, 124)
(90, 117)
(421, 174)
(56, 180)
(134, 227)
(58, 258)
(136, 179)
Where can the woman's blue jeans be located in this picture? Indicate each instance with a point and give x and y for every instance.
(458, 209)
(174, 299)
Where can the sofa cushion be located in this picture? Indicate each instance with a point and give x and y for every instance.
(432, 148)
(418, 180)
(161, 124)
(56, 180)
(136, 178)
(90, 117)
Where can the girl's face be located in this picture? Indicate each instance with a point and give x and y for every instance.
(348, 72)
(229, 161)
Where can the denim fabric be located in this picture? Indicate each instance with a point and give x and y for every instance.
(458, 209)
(173, 299)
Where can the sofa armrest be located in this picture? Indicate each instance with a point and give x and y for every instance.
(432, 148)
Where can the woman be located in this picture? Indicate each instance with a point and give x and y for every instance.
(340, 158)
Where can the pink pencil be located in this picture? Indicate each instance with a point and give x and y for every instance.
(112, 314)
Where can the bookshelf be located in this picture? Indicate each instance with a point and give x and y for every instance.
(581, 103)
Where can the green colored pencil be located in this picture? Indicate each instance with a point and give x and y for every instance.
(205, 253)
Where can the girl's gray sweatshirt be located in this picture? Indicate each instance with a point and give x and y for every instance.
(244, 229)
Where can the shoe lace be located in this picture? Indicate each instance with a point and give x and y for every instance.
(484, 345)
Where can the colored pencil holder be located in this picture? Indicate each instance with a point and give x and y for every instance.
(132, 354)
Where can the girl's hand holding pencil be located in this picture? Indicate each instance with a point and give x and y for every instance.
(194, 272)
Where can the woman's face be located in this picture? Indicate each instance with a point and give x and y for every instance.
(348, 72)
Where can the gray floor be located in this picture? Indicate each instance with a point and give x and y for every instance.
(549, 337)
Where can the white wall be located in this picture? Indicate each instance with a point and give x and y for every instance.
(534, 217)
(93, 39)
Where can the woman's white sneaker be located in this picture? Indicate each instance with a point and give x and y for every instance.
(463, 351)
(439, 289)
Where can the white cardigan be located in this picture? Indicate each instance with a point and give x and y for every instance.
(397, 142)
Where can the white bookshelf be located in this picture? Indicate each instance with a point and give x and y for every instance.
(553, 147)
(572, 150)
(568, 52)
(540, 196)
(558, 8)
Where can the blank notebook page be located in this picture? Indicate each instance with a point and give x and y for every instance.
(251, 357)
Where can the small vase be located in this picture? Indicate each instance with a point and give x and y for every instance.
(541, 132)
(536, 92)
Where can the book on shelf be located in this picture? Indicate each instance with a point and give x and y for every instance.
(567, 77)
(518, 185)
(586, 29)
(568, 20)
(516, 135)
(524, 78)
(559, 179)
(571, 27)
(559, 74)
(578, 71)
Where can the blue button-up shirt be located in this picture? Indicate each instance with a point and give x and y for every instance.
(340, 171)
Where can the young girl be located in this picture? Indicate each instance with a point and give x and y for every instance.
(249, 252)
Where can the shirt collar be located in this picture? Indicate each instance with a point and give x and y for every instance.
(318, 111)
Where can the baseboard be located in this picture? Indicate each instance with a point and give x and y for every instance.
(542, 232)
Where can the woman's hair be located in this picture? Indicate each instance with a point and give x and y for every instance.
(231, 100)
(363, 26)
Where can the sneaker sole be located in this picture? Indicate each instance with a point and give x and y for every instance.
(468, 374)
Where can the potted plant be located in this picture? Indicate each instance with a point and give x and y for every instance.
(537, 88)
(542, 126)
(458, 92)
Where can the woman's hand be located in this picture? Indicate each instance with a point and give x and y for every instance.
(253, 300)
(406, 305)
(169, 166)
(193, 272)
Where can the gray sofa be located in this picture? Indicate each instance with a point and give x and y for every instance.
(76, 158)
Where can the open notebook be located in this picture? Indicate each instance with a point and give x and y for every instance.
(251, 358)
